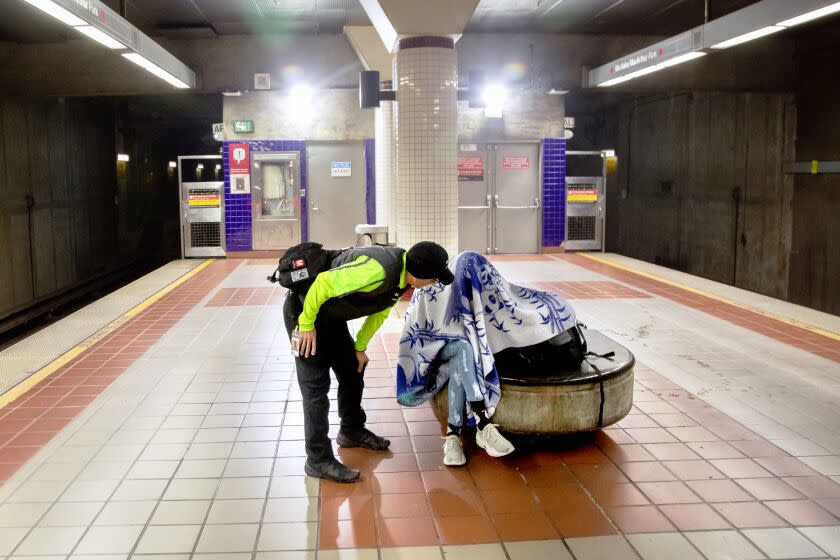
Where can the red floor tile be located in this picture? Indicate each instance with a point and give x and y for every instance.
(524, 526)
(466, 530)
(749, 515)
(719, 491)
(580, 521)
(398, 532)
(668, 493)
(694, 517)
(402, 505)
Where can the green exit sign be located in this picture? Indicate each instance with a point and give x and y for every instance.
(243, 126)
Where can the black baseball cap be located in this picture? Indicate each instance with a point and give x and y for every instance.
(427, 260)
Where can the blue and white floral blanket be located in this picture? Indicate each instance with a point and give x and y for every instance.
(481, 307)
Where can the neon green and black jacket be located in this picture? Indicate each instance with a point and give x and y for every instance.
(362, 282)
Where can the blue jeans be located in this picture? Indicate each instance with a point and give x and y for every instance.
(466, 383)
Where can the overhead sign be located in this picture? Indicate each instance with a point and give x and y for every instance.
(340, 169)
(515, 162)
(470, 168)
(243, 126)
(469, 147)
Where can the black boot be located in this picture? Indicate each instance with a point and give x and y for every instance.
(331, 470)
(363, 438)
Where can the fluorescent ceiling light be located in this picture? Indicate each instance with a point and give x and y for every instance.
(656, 68)
(682, 58)
(138, 59)
(172, 165)
(56, 11)
(752, 35)
(811, 16)
(609, 153)
(122, 157)
(100, 37)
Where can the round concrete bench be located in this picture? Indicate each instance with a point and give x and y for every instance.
(568, 402)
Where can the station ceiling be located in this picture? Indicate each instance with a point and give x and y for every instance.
(208, 18)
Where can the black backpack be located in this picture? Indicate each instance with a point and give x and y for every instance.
(300, 264)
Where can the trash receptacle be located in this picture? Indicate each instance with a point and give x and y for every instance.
(371, 234)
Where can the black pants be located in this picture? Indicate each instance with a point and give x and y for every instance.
(335, 349)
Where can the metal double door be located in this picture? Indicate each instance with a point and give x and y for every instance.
(499, 198)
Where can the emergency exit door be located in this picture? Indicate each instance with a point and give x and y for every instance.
(499, 198)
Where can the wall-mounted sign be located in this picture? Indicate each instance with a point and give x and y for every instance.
(218, 131)
(469, 147)
(243, 126)
(340, 168)
(582, 192)
(240, 183)
(515, 162)
(239, 159)
(203, 199)
(470, 168)
(568, 134)
(568, 122)
(239, 163)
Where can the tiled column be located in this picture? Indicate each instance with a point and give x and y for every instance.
(427, 142)
(386, 166)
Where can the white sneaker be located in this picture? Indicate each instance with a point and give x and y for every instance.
(493, 442)
(453, 452)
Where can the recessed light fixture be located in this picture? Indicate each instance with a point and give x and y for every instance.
(145, 63)
(751, 36)
(100, 37)
(56, 11)
(122, 157)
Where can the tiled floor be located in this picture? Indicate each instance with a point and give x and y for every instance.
(180, 434)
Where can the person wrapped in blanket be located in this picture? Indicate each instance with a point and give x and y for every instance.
(465, 332)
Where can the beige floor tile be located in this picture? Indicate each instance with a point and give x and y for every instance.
(553, 549)
(601, 548)
(191, 489)
(52, 540)
(827, 538)
(287, 555)
(10, 537)
(235, 511)
(349, 554)
(22, 515)
(187, 512)
(783, 543)
(472, 551)
(664, 546)
(411, 553)
(284, 510)
(242, 488)
(724, 545)
(228, 538)
(125, 513)
(167, 540)
(71, 514)
(287, 536)
(109, 540)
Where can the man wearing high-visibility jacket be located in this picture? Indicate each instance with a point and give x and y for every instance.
(361, 282)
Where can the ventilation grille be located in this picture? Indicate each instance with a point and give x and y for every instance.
(581, 228)
(205, 234)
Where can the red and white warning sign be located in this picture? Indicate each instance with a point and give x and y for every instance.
(470, 168)
(239, 161)
(516, 162)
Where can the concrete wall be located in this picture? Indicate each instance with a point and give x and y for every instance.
(528, 115)
(815, 255)
(701, 189)
(51, 153)
(335, 116)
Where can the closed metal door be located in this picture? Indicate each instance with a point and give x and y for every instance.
(200, 184)
(337, 192)
(474, 208)
(516, 198)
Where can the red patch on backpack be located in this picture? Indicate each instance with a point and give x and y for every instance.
(299, 263)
